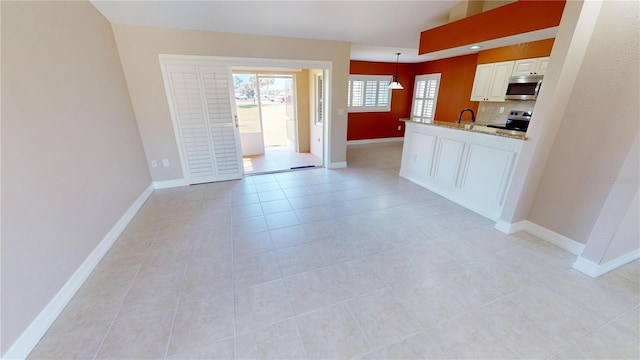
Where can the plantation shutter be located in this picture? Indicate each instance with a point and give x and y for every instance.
(221, 123)
(369, 93)
(425, 96)
(205, 124)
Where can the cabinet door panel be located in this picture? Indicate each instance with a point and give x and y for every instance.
(500, 80)
(420, 155)
(448, 160)
(487, 173)
(524, 67)
(481, 82)
(542, 66)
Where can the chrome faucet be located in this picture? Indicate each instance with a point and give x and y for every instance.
(473, 115)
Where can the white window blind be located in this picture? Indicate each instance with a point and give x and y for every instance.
(425, 97)
(369, 93)
(319, 100)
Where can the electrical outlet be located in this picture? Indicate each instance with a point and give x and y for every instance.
(481, 108)
(154, 163)
(501, 109)
(165, 162)
(399, 127)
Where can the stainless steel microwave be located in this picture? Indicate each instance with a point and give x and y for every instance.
(524, 87)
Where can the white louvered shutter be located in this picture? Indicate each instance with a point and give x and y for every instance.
(202, 110)
(192, 123)
(425, 96)
(222, 127)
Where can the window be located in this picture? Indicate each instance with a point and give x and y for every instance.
(319, 100)
(425, 97)
(369, 93)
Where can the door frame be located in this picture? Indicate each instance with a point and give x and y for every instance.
(230, 62)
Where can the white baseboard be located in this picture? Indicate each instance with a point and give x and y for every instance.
(553, 237)
(39, 326)
(337, 165)
(510, 228)
(375, 141)
(166, 184)
(594, 270)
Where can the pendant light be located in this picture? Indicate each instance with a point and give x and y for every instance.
(395, 85)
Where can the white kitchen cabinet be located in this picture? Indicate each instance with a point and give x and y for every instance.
(418, 154)
(447, 162)
(541, 69)
(491, 80)
(534, 66)
(481, 82)
(486, 172)
(469, 168)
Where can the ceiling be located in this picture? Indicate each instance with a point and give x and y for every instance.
(376, 29)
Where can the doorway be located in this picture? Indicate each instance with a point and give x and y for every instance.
(270, 107)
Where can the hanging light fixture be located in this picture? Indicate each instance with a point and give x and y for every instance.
(395, 84)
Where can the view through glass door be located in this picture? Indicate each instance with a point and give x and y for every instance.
(266, 109)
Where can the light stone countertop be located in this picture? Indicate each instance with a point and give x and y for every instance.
(465, 126)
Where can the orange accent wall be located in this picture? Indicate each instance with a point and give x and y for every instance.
(456, 81)
(374, 125)
(528, 50)
(511, 19)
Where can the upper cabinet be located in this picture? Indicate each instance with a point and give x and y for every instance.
(491, 81)
(535, 66)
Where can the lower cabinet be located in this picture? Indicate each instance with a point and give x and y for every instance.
(447, 161)
(419, 155)
(471, 169)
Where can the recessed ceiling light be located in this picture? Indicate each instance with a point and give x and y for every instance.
(475, 47)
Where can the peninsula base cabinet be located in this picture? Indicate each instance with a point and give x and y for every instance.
(471, 169)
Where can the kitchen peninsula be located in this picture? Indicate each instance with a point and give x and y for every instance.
(469, 164)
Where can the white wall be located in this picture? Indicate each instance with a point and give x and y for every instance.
(569, 47)
(599, 126)
(72, 157)
(616, 232)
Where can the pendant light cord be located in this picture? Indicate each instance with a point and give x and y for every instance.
(397, 61)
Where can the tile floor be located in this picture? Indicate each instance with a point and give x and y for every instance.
(344, 264)
(278, 159)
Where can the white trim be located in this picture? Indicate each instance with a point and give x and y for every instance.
(375, 141)
(594, 270)
(510, 228)
(553, 237)
(327, 125)
(337, 165)
(39, 326)
(165, 184)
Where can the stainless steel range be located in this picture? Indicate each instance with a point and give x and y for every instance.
(518, 120)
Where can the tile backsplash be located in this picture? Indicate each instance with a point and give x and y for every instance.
(489, 112)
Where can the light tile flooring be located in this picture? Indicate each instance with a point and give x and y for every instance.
(278, 159)
(351, 263)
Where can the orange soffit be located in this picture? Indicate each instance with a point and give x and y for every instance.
(516, 18)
